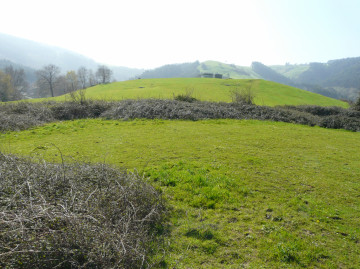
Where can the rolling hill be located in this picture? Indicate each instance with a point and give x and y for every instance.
(207, 89)
(337, 78)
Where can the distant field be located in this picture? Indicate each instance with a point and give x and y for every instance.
(242, 193)
(218, 90)
(229, 70)
(291, 71)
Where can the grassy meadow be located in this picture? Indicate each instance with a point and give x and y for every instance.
(233, 71)
(218, 90)
(242, 193)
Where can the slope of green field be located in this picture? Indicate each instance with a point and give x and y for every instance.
(291, 71)
(228, 70)
(207, 89)
(242, 193)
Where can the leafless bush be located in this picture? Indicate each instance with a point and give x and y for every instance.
(330, 117)
(325, 111)
(25, 115)
(172, 109)
(76, 110)
(22, 115)
(75, 216)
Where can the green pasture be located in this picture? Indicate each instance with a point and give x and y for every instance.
(241, 193)
(206, 89)
(291, 71)
(228, 70)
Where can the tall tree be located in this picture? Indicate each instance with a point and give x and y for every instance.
(82, 75)
(92, 78)
(103, 74)
(18, 81)
(48, 76)
(72, 83)
(6, 89)
(357, 103)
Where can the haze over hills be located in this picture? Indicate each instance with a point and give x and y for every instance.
(36, 55)
(337, 78)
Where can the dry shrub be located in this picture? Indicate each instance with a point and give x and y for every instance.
(77, 110)
(172, 109)
(22, 115)
(324, 111)
(76, 216)
(25, 115)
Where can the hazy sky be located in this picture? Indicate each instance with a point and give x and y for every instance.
(147, 34)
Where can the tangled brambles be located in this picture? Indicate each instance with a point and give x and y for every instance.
(22, 115)
(76, 216)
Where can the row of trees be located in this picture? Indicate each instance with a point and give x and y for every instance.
(51, 82)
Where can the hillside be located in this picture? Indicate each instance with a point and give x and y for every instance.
(207, 89)
(228, 70)
(184, 70)
(337, 78)
(269, 74)
(241, 193)
(291, 71)
(36, 55)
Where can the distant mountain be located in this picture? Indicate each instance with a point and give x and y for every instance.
(335, 73)
(267, 73)
(36, 55)
(336, 78)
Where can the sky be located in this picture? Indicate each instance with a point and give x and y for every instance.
(147, 34)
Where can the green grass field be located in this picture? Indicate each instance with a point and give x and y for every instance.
(291, 71)
(243, 194)
(218, 90)
(228, 70)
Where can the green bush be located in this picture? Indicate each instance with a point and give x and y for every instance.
(186, 97)
(243, 96)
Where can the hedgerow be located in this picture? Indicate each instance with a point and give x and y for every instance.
(20, 116)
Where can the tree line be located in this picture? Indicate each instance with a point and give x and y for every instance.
(50, 81)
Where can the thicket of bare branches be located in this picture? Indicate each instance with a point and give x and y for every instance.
(75, 216)
(22, 115)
